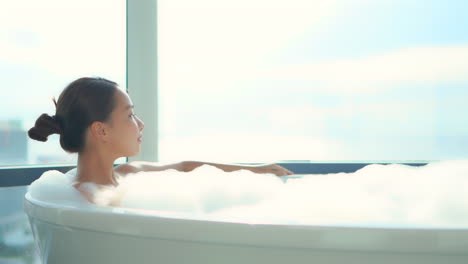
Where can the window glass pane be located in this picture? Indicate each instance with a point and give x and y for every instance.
(46, 45)
(329, 80)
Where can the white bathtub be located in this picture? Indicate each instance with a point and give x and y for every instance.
(68, 234)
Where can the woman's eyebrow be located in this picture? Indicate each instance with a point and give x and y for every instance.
(129, 106)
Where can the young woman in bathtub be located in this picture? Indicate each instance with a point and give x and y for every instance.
(96, 120)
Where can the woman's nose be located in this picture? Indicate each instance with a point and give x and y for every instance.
(141, 125)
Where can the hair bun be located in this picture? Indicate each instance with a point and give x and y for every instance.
(45, 126)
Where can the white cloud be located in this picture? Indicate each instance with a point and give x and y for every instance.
(249, 148)
(448, 63)
(63, 37)
(389, 118)
(230, 38)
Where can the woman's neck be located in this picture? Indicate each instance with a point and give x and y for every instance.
(95, 167)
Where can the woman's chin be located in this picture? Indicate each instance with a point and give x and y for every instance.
(133, 153)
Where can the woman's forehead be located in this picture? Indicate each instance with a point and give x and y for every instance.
(123, 100)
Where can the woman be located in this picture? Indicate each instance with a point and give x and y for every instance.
(96, 120)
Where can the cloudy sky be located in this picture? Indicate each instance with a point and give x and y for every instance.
(326, 80)
(263, 80)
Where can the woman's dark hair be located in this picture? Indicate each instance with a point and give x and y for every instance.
(81, 103)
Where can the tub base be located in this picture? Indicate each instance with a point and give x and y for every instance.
(59, 244)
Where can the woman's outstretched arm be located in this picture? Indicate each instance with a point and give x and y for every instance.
(137, 166)
(261, 168)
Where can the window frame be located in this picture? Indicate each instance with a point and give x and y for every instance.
(25, 175)
(15, 176)
(142, 85)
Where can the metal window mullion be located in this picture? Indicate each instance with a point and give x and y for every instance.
(142, 74)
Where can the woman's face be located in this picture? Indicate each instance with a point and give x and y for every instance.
(126, 128)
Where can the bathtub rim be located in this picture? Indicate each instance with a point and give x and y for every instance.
(154, 226)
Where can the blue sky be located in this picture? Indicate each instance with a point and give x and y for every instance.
(362, 28)
(336, 79)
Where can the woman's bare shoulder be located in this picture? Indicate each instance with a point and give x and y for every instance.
(85, 192)
(127, 168)
(138, 166)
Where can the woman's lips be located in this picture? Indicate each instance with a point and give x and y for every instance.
(140, 138)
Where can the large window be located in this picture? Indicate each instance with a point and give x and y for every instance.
(352, 80)
(44, 46)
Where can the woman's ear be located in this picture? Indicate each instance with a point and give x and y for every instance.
(99, 130)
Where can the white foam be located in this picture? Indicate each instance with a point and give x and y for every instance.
(376, 195)
(54, 186)
(204, 190)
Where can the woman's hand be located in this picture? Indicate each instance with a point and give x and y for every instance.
(272, 168)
